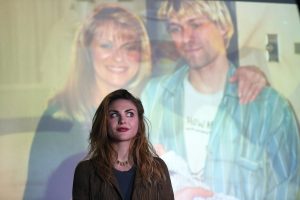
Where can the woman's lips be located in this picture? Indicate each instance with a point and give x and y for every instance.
(122, 129)
(116, 69)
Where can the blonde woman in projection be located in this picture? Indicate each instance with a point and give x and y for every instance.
(111, 51)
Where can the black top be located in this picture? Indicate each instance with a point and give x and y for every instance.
(125, 180)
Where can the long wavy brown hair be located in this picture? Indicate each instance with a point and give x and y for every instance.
(141, 150)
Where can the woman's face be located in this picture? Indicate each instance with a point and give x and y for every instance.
(123, 120)
(116, 53)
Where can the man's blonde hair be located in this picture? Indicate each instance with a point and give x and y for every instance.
(216, 11)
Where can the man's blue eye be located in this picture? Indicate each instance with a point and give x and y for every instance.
(174, 29)
(195, 25)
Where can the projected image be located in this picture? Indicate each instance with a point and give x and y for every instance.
(219, 84)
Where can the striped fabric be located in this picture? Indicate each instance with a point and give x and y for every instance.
(254, 149)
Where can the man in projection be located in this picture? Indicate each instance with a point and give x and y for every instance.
(211, 142)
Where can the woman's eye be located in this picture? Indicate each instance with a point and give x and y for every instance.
(113, 115)
(132, 47)
(105, 45)
(130, 114)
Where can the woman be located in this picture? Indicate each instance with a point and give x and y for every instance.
(112, 51)
(122, 164)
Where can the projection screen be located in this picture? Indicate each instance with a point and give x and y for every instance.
(50, 88)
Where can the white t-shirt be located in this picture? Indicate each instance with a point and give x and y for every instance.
(199, 112)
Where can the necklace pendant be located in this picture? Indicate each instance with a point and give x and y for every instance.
(122, 163)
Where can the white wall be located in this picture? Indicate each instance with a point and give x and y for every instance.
(255, 21)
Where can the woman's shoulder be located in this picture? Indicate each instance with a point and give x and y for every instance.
(54, 119)
(158, 159)
(160, 162)
(56, 111)
(85, 164)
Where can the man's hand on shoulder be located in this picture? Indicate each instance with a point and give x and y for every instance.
(251, 80)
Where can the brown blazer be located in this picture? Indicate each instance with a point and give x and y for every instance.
(88, 185)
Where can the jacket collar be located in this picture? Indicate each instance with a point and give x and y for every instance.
(114, 181)
(175, 81)
(231, 88)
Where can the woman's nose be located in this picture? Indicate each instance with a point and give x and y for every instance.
(121, 120)
(118, 55)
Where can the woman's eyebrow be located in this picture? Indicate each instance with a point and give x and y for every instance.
(131, 109)
(128, 110)
(134, 42)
